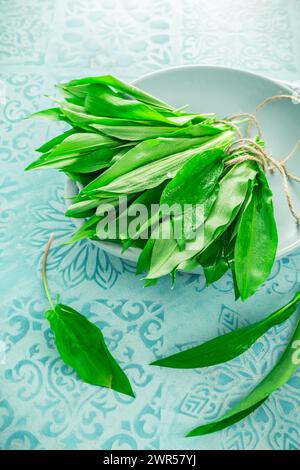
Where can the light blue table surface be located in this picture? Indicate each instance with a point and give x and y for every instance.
(42, 403)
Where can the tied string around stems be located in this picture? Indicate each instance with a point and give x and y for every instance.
(246, 148)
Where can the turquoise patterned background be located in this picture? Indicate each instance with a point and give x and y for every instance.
(42, 404)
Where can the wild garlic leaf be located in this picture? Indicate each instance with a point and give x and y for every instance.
(88, 162)
(142, 154)
(276, 378)
(141, 132)
(226, 347)
(102, 101)
(213, 259)
(82, 142)
(78, 116)
(143, 263)
(196, 180)
(123, 87)
(151, 174)
(257, 240)
(193, 185)
(232, 192)
(55, 141)
(81, 346)
(82, 208)
(87, 230)
(147, 199)
(52, 114)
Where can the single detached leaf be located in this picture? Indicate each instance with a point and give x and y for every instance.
(257, 240)
(82, 346)
(278, 376)
(226, 347)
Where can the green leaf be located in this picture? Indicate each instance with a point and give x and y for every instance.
(82, 142)
(141, 132)
(142, 154)
(87, 230)
(52, 114)
(233, 188)
(257, 240)
(102, 101)
(81, 346)
(143, 263)
(147, 199)
(278, 376)
(193, 185)
(78, 116)
(232, 193)
(154, 173)
(55, 141)
(123, 87)
(82, 208)
(79, 163)
(226, 347)
(213, 260)
(196, 180)
(81, 152)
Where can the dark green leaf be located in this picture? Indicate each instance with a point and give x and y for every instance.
(87, 230)
(278, 376)
(227, 347)
(257, 240)
(82, 346)
(232, 192)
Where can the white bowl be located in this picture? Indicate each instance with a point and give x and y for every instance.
(226, 91)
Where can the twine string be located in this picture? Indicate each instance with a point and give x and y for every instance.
(246, 148)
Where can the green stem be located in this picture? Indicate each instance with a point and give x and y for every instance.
(44, 271)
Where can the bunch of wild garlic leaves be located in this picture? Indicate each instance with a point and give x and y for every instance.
(124, 142)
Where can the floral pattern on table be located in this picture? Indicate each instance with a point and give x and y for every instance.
(43, 405)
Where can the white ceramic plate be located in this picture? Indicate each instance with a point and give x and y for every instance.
(227, 91)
